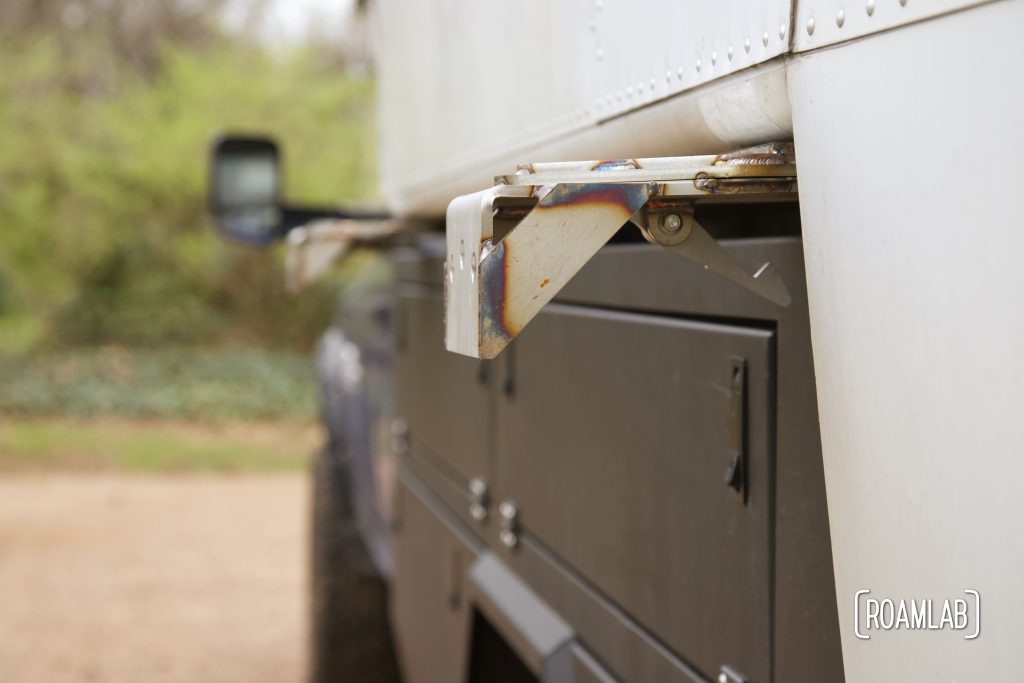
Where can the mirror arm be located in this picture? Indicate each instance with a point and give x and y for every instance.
(296, 216)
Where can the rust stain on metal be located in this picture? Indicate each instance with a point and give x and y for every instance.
(547, 281)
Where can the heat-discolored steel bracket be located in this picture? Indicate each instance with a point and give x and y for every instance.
(316, 246)
(512, 247)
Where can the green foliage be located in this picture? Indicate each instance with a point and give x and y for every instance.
(103, 232)
(205, 385)
(153, 446)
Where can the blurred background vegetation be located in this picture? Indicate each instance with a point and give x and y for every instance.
(115, 294)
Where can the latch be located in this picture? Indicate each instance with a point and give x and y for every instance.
(511, 248)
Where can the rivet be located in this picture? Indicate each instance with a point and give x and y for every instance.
(903, 3)
(764, 39)
(600, 54)
(728, 53)
(629, 91)
(782, 31)
(668, 75)
(653, 82)
(870, 7)
(810, 26)
(640, 86)
(698, 65)
(746, 45)
(679, 73)
(714, 58)
(840, 18)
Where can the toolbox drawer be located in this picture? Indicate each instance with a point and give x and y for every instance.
(614, 445)
(444, 398)
(429, 610)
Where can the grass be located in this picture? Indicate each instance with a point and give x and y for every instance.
(205, 385)
(134, 446)
(164, 410)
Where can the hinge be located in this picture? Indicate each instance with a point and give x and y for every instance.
(479, 499)
(509, 534)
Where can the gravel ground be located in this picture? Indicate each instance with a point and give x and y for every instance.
(155, 578)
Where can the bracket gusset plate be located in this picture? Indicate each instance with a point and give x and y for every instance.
(495, 284)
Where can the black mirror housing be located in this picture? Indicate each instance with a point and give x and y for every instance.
(244, 192)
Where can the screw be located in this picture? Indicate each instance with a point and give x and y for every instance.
(672, 222)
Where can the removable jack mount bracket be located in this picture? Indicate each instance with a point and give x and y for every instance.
(511, 248)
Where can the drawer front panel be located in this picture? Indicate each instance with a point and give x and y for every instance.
(614, 446)
(443, 397)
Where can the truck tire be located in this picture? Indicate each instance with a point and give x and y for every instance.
(351, 635)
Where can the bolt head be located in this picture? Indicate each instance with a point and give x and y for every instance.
(672, 222)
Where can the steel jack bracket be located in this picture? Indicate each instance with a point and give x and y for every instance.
(511, 248)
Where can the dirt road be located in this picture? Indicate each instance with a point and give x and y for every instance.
(131, 578)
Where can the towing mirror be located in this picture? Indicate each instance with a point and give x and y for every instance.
(245, 195)
(245, 189)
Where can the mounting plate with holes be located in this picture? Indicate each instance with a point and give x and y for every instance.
(511, 248)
